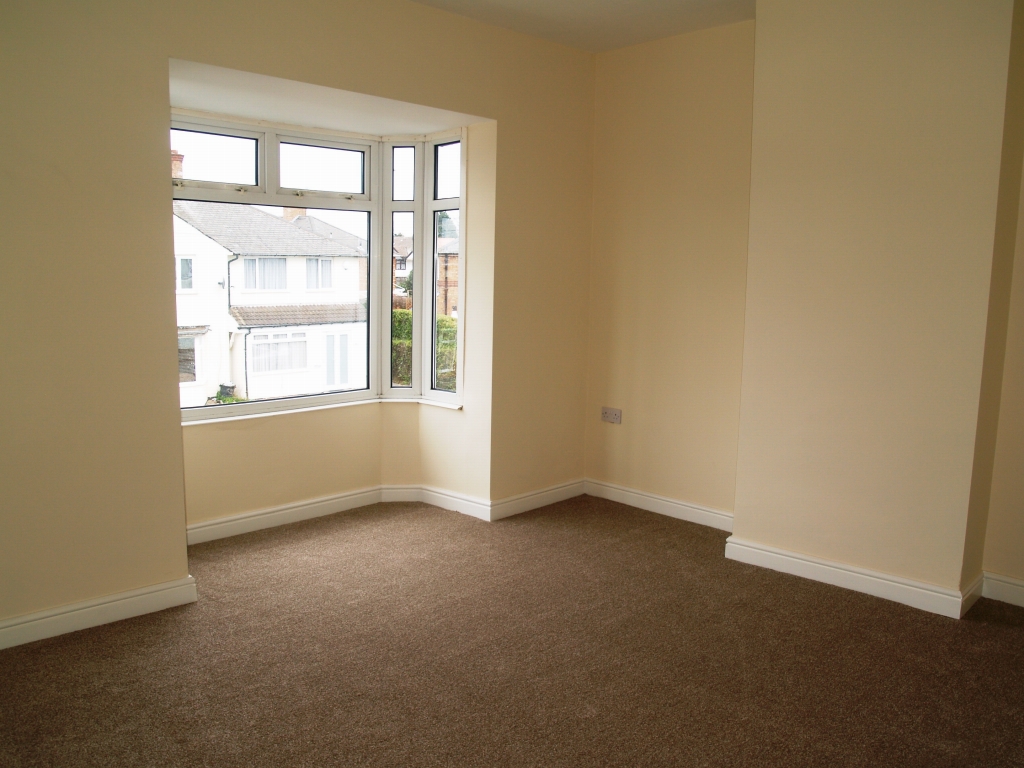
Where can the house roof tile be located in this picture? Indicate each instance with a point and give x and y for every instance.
(298, 314)
(247, 231)
(331, 232)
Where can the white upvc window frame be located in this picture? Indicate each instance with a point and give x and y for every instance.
(390, 207)
(378, 179)
(214, 191)
(316, 140)
(426, 288)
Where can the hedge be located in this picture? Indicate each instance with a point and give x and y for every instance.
(445, 352)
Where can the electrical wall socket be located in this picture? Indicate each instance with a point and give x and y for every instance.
(611, 415)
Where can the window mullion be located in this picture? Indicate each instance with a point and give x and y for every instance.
(270, 157)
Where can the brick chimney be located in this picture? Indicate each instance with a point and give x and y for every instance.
(176, 160)
(291, 214)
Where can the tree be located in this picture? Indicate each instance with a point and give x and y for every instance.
(406, 284)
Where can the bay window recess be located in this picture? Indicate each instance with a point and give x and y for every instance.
(331, 266)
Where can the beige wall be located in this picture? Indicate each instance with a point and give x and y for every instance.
(671, 197)
(93, 455)
(241, 466)
(542, 253)
(93, 500)
(1007, 236)
(1004, 539)
(875, 170)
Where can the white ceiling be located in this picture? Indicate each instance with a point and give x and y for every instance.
(601, 25)
(207, 88)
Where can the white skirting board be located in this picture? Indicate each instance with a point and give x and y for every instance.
(92, 613)
(458, 502)
(273, 516)
(927, 597)
(1004, 588)
(694, 513)
(524, 502)
(342, 502)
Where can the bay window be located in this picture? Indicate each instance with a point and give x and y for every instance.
(316, 286)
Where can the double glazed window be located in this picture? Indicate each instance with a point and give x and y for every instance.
(445, 221)
(318, 273)
(184, 274)
(266, 274)
(279, 351)
(331, 266)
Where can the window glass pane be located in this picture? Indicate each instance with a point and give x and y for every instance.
(273, 274)
(297, 354)
(402, 223)
(447, 170)
(329, 360)
(312, 267)
(186, 274)
(271, 342)
(211, 157)
(321, 168)
(446, 299)
(186, 359)
(403, 174)
(343, 347)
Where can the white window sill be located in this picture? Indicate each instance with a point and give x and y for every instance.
(214, 419)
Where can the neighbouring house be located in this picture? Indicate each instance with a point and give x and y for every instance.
(447, 265)
(268, 306)
(448, 276)
(402, 258)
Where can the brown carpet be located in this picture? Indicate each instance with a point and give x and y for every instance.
(588, 634)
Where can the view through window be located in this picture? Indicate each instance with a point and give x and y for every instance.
(274, 301)
(280, 301)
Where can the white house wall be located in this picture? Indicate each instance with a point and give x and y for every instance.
(206, 303)
(344, 290)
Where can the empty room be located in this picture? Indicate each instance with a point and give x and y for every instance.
(559, 383)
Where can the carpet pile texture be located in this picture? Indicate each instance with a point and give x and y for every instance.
(587, 633)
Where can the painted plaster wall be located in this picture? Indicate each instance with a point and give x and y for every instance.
(875, 172)
(667, 279)
(1004, 535)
